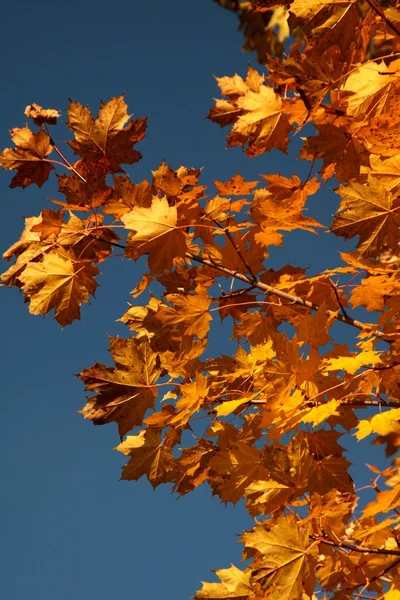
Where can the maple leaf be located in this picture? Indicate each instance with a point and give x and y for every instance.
(87, 195)
(167, 181)
(193, 466)
(342, 153)
(241, 466)
(191, 310)
(148, 457)
(321, 413)
(285, 567)
(155, 233)
(108, 139)
(381, 133)
(372, 292)
(193, 396)
(50, 225)
(314, 329)
(235, 584)
(256, 111)
(281, 209)
(330, 513)
(29, 157)
(236, 186)
(383, 423)
(60, 282)
(386, 170)
(28, 248)
(263, 125)
(41, 115)
(370, 86)
(124, 392)
(370, 212)
(351, 364)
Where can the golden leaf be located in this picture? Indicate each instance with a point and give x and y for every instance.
(60, 282)
(29, 157)
(383, 423)
(285, 567)
(235, 585)
(109, 138)
(155, 233)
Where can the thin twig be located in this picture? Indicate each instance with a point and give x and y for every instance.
(64, 158)
(236, 247)
(289, 297)
(376, 577)
(355, 548)
(338, 299)
(376, 8)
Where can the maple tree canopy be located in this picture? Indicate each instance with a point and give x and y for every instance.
(273, 413)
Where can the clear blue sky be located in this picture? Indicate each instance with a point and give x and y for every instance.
(69, 529)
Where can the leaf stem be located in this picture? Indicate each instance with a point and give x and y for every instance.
(64, 158)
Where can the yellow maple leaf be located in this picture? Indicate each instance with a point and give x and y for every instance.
(370, 85)
(386, 170)
(192, 398)
(382, 423)
(314, 328)
(240, 467)
(307, 9)
(341, 152)
(109, 138)
(236, 186)
(266, 496)
(148, 457)
(226, 408)
(372, 292)
(351, 364)
(235, 585)
(369, 211)
(58, 282)
(191, 310)
(285, 568)
(263, 125)
(319, 414)
(385, 501)
(155, 233)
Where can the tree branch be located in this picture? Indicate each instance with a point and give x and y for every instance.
(289, 297)
(355, 548)
(376, 8)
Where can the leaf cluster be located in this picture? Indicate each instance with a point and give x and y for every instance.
(265, 423)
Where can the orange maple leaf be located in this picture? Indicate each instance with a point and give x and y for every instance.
(108, 139)
(60, 282)
(29, 157)
(371, 212)
(125, 392)
(155, 233)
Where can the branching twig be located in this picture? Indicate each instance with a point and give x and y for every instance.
(376, 8)
(289, 297)
(355, 548)
(64, 158)
(338, 300)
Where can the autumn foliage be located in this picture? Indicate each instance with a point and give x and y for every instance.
(273, 413)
